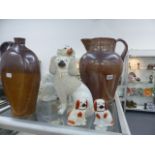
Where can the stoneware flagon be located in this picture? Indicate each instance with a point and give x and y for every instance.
(20, 73)
(101, 67)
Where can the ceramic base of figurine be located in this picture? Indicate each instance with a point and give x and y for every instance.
(76, 118)
(73, 123)
(101, 128)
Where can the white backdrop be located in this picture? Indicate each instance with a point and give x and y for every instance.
(45, 36)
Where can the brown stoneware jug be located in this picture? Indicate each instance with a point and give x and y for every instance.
(20, 73)
(101, 67)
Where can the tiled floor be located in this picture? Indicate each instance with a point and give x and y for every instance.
(141, 123)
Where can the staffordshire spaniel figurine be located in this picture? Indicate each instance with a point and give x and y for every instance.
(76, 117)
(103, 117)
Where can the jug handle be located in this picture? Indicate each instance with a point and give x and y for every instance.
(125, 48)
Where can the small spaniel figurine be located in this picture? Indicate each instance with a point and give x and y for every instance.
(103, 117)
(76, 117)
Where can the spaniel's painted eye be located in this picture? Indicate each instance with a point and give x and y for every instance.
(101, 106)
(84, 105)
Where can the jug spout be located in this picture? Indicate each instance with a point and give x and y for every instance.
(86, 43)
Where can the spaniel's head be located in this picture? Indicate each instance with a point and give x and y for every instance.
(81, 104)
(99, 105)
(64, 60)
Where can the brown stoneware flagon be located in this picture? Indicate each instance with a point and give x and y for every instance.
(101, 67)
(20, 73)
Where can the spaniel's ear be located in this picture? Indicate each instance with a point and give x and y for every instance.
(77, 105)
(106, 105)
(70, 52)
(73, 68)
(86, 104)
(95, 105)
(52, 68)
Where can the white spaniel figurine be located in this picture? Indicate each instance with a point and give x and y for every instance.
(103, 117)
(64, 68)
(76, 117)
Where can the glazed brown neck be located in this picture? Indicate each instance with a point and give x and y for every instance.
(20, 41)
(99, 44)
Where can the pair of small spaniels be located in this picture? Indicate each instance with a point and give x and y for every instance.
(103, 117)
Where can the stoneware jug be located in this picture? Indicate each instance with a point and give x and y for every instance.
(20, 73)
(101, 67)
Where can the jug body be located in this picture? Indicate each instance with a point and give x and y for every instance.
(20, 72)
(101, 67)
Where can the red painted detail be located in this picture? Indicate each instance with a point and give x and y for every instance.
(106, 105)
(105, 115)
(71, 122)
(86, 103)
(77, 104)
(69, 51)
(95, 105)
(79, 114)
(98, 116)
